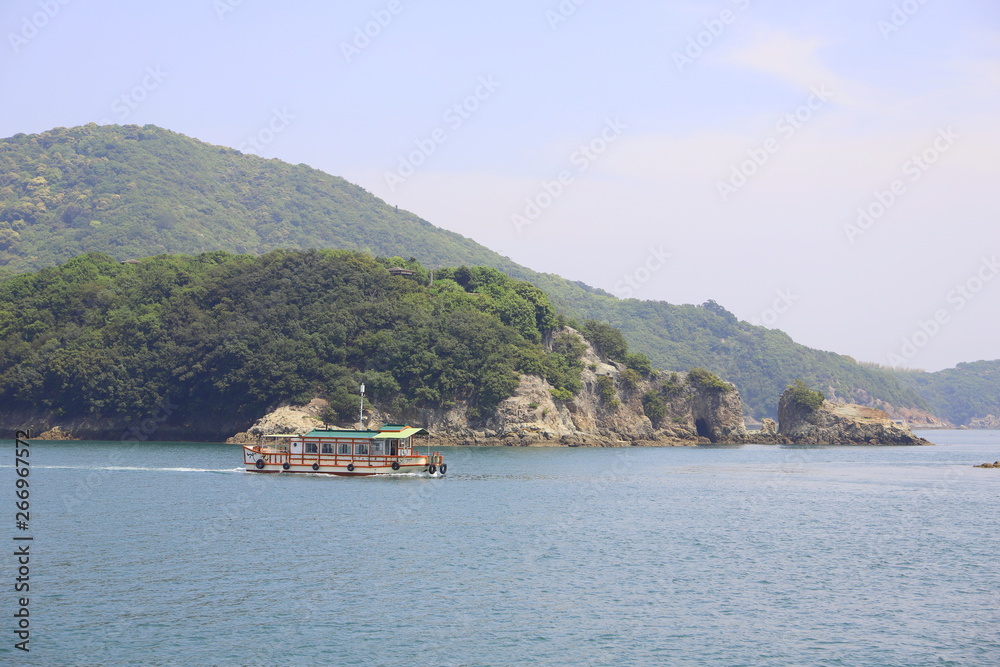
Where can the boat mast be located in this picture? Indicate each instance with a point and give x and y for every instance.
(361, 413)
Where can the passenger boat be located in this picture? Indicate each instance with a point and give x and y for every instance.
(389, 450)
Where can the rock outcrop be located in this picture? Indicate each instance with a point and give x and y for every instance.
(989, 421)
(995, 464)
(914, 417)
(56, 433)
(284, 420)
(618, 407)
(605, 413)
(839, 424)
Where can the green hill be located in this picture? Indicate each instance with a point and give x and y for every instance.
(135, 191)
(229, 337)
(968, 391)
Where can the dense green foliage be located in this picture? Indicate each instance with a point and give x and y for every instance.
(607, 341)
(799, 394)
(761, 362)
(968, 391)
(707, 380)
(606, 391)
(238, 335)
(654, 407)
(138, 191)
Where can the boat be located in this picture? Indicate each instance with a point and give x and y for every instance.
(388, 451)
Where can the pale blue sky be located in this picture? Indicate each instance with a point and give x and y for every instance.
(777, 249)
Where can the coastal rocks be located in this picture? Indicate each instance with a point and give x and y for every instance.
(839, 424)
(608, 411)
(718, 413)
(55, 433)
(995, 464)
(914, 417)
(284, 420)
(989, 421)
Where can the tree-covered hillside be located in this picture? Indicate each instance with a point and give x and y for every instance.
(135, 191)
(968, 391)
(231, 336)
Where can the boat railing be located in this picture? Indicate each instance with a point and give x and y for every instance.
(275, 456)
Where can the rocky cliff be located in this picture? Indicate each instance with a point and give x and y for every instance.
(608, 411)
(989, 421)
(284, 420)
(914, 417)
(839, 424)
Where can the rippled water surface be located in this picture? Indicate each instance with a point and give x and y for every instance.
(168, 553)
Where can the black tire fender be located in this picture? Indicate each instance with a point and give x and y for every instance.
(285, 465)
(315, 466)
(350, 467)
(432, 469)
(443, 468)
(260, 464)
(395, 465)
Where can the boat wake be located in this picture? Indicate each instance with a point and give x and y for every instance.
(139, 469)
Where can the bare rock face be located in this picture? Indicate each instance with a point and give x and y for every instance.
(607, 412)
(284, 420)
(914, 417)
(840, 424)
(989, 421)
(718, 414)
(694, 414)
(56, 433)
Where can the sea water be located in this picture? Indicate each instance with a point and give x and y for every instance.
(163, 553)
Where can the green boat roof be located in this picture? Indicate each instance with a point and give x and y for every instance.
(335, 433)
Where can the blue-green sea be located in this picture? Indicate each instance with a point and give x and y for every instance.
(162, 553)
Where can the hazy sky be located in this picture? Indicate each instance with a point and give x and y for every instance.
(826, 168)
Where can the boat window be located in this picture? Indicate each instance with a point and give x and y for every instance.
(311, 448)
(328, 448)
(377, 447)
(343, 448)
(362, 448)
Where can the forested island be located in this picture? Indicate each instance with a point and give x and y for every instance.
(202, 346)
(134, 192)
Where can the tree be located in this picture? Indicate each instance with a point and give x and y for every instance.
(799, 394)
